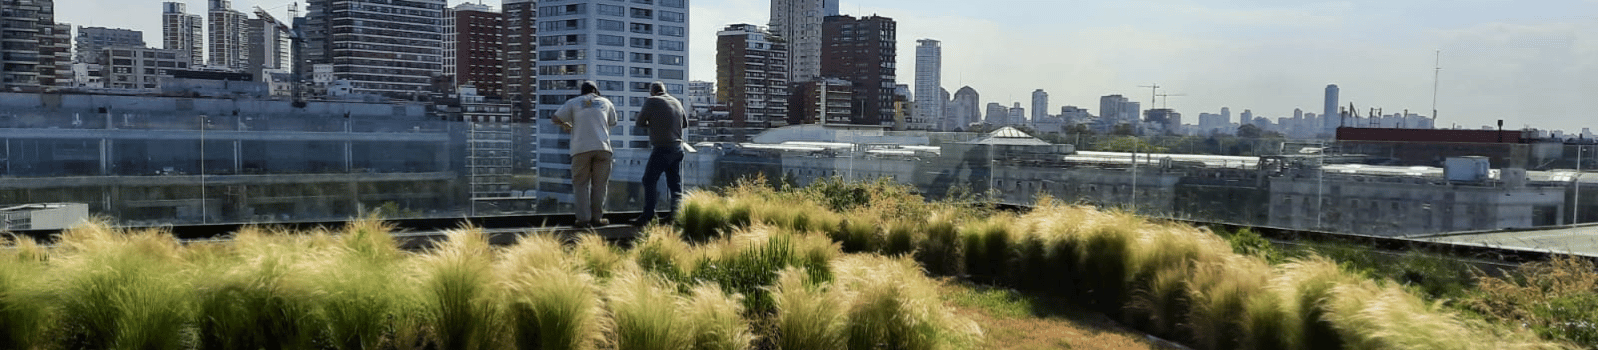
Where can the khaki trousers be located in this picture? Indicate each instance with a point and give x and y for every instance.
(590, 177)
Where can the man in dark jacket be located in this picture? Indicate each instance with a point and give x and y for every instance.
(664, 118)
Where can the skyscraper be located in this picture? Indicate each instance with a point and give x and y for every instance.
(1040, 105)
(799, 22)
(521, 58)
(1117, 109)
(381, 47)
(229, 31)
(966, 109)
(91, 42)
(37, 49)
(929, 76)
(1329, 114)
(623, 46)
(181, 30)
(474, 41)
(862, 51)
(752, 78)
(269, 46)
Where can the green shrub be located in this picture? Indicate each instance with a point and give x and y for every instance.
(748, 261)
(940, 250)
(858, 233)
(903, 236)
(703, 216)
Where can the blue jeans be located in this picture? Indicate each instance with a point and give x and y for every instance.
(662, 160)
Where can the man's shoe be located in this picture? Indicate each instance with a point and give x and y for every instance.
(583, 224)
(601, 223)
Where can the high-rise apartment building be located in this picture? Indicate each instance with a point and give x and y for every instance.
(382, 47)
(1117, 109)
(270, 46)
(929, 82)
(862, 51)
(129, 67)
(799, 23)
(474, 43)
(230, 36)
(521, 58)
(1040, 105)
(752, 79)
(966, 108)
(622, 46)
(181, 30)
(33, 45)
(91, 42)
(1329, 113)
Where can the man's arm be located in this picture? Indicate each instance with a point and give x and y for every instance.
(651, 110)
(610, 115)
(563, 116)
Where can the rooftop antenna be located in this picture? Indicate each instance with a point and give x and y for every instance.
(1437, 71)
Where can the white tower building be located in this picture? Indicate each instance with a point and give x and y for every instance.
(929, 75)
(627, 46)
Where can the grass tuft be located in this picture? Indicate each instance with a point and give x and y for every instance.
(716, 319)
(122, 289)
(810, 314)
(460, 291)
(24, 307)
(554, 308)
(644, 309)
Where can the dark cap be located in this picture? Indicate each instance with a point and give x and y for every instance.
(657, 88)
(589, 87)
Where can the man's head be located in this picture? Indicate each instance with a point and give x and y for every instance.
(657, 88)
(589, 87)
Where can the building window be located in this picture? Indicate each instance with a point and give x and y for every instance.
(643, 13)
(674, 3)
(612, 25)
(612, 10)
(643, 58)
(676, 17)
(611, 85)
(612, 40)
(671, 45)
(638, 72)
(671, 74)
(671, 60)
(642, 28)
(612, 55)
(643, 43)
(672, 31)
(613, 71)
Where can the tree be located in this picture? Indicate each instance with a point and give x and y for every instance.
(1124, 130)
(1130, 144)
(1249, 131)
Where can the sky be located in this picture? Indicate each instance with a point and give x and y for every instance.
(1531, 64)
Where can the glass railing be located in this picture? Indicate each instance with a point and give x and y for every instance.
(190, 169)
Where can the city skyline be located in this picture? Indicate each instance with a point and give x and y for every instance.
(1498, 60)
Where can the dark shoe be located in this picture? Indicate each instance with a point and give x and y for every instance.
(601, 223)
(583, 224)
(640, 222)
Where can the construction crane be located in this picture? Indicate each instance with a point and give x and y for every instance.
(1167, 98)
(1154, 91)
